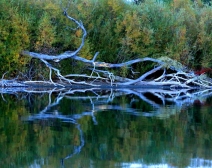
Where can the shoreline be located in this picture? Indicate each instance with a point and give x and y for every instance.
(6, 84)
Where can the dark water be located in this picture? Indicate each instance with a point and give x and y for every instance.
(106, 128)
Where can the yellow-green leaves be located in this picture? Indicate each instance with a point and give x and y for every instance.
(45, 35)
(14, 37)
(180, 29)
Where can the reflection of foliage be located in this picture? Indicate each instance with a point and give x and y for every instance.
(11, 126)
(137, 138)
(119, 136)
(72, 107)
(21, 144)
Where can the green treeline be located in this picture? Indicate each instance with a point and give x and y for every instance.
(120, 31)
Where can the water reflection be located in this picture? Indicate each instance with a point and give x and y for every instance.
(106, 128)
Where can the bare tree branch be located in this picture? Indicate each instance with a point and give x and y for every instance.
(100, 72)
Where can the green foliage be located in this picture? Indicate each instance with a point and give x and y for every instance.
(45, 36)
(124, 71)
(120, 31)
(13, 38)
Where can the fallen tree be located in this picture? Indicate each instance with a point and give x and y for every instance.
(172, 73)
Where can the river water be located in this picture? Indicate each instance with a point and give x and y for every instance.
(106, 128)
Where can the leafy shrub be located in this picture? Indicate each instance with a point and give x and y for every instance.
(120, 31)
(14, 37)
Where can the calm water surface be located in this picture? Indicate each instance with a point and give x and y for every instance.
(105, 128)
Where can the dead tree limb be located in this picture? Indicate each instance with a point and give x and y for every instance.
(100, 72)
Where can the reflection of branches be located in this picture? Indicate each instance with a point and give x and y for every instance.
(157, 98)
(78, 148)
(103, 100)
(178, 97)
(199, 162)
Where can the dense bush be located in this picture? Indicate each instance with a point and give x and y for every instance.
(120, 31)
(14, 37)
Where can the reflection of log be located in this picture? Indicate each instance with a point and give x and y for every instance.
(200, 162)
(99, 101)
